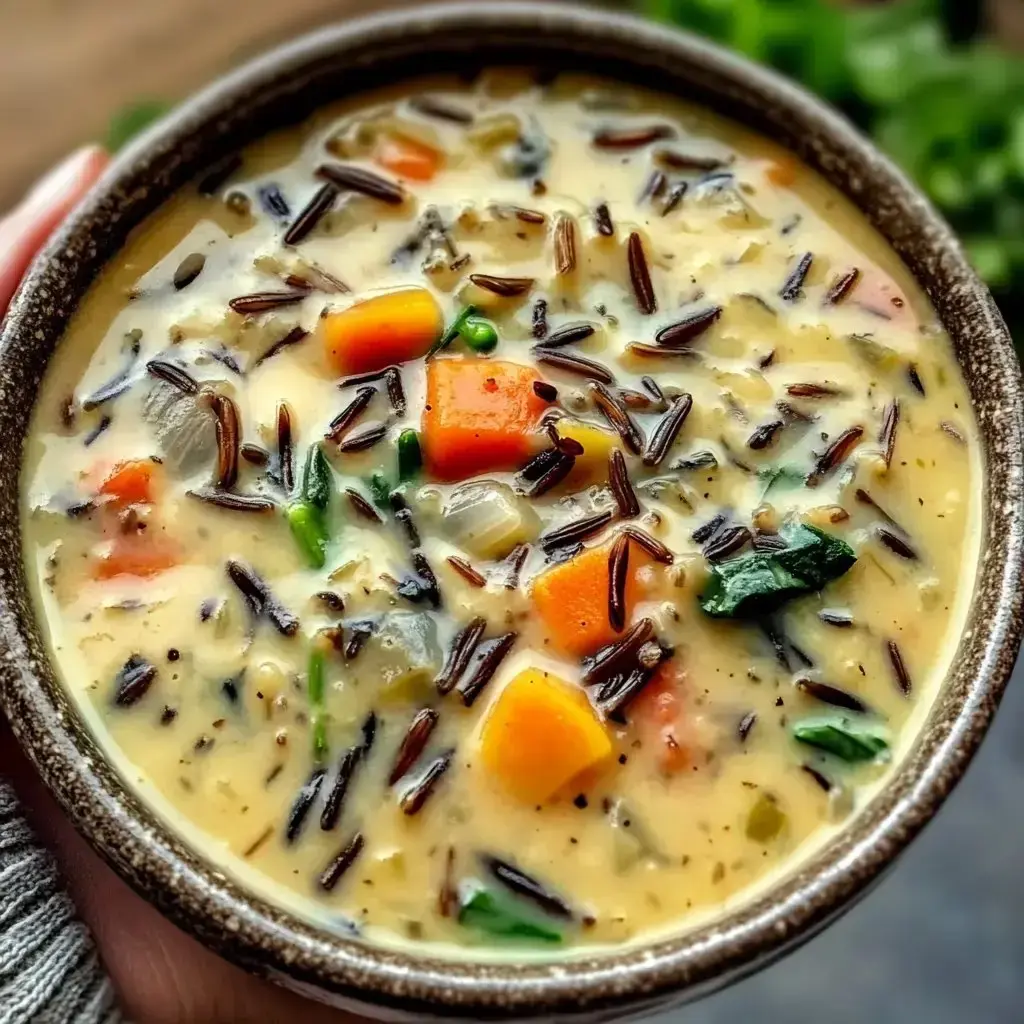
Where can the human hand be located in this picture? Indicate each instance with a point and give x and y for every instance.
(161, 975)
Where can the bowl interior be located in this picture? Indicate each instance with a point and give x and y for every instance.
(282, 89)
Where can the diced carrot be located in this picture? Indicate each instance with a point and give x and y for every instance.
(659, 709)
(540, 735)
(407, 157)
(572, 599)
(136, 555)
(391, 328)
(660, 700)
(478, 417)
(131, 482)
(782, 172)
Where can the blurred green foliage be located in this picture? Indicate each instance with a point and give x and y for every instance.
(943, 102)
(131, 120)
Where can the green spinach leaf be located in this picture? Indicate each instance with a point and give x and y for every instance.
(842, 738)
(758, 583)
(495, 914)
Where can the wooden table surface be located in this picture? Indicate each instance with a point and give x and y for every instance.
(67, 65)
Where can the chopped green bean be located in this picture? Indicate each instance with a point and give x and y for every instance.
(410, 456)
(310, 532)
(316, 479)
(315, 692)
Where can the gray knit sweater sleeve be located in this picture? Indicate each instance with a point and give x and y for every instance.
(50, 972)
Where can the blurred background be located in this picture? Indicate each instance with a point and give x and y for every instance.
(940, 85)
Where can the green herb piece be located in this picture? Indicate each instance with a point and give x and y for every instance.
(133, 119)
(316, 479)
(410, 456)
(453, 330)
(315, 693)
(310, 532)
(380, 489)
(479, 334)
(839, 736)
(495, 914)
(762, 581)
(923, 79)
(765, 820)
(781, 478)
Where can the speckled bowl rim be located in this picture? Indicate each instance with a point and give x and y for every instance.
(265, 939)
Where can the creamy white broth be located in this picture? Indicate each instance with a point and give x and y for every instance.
(696, 804)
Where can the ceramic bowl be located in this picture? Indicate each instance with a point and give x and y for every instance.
(282, 88)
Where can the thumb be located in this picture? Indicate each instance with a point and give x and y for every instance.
(26, 228)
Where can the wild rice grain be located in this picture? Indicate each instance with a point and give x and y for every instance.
(618, 570)
(363, 507)
(466, 571)
(313, 212)
(603, 220)
(632, 138)
(887, 435)
(569, 335)
(621, 486)
(487, 657)
(899, 668)
(285, 449)
(173, 375)
(540, 319)
(565, 245)
(332, 874)
(831, 695)
(459, 655)
(527, 887)
(357, 179)
(293, 337)
(572, 363)
(689, 328)
(228, 430)
(364, 439)
(654, 547)
(576, 531)
(746, 723)
(231, 500)
(667, 430)
(833, 456)
(842, 286)
(618, 418)
(417, 794)
(794, 284)
(396, 393)
(614, 658)
(640, 276)
(304, 800)
(413, 743)
(262, 302)
(341, 423)
(336, 797)
(507, 287)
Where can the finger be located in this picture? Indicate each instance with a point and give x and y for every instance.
(26, 228)
(162, 976)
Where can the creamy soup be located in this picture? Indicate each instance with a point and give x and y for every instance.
(504, 514)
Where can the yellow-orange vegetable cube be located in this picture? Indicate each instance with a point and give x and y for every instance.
(541, 734)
